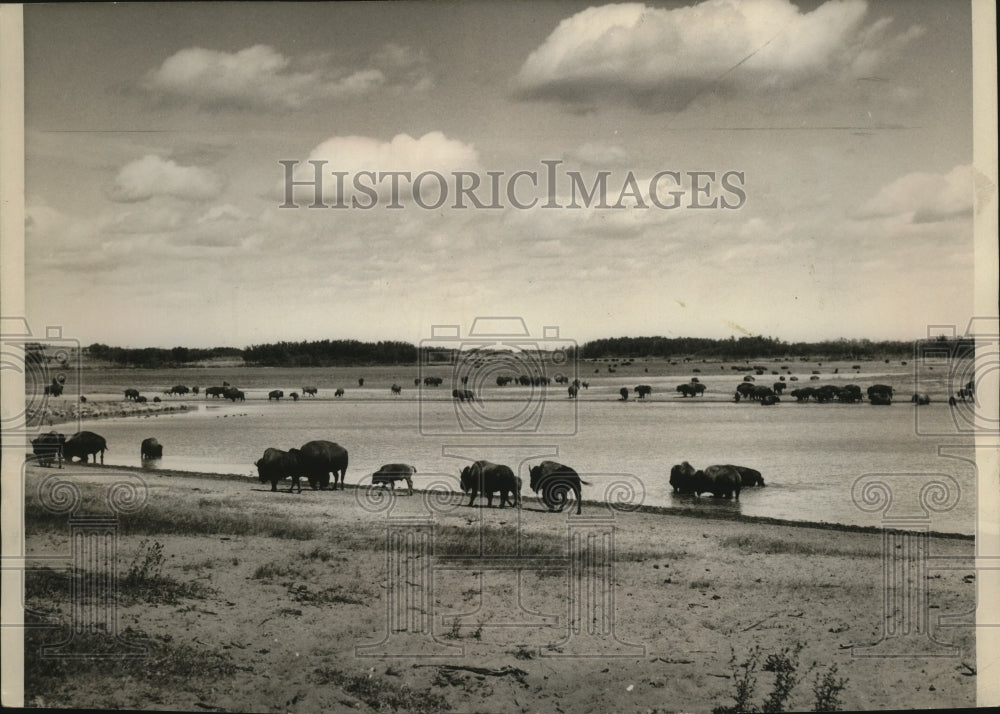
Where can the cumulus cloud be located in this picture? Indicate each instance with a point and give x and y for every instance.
(153, 176)
(261, 77)
(663, 59)
(923, 197)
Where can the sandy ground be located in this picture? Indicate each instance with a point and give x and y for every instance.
(609, 611)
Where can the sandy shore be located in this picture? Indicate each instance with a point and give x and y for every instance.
(57, 411)
(277, 595)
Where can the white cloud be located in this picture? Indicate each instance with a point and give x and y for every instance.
(663, 59)
(152, 176)
(261, 77)
(923, 197)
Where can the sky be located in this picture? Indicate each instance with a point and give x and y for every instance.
(794, 170)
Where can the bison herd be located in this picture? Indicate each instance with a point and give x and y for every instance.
(323, 464)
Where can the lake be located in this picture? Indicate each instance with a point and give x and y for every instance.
(809, 454)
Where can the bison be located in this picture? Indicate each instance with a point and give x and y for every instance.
(488, 478)
(681, 477)
(555, 481)
(318, 459)
(388, 474)
(48, 448)
(720, 481)
(276, 465)
(82, 444)
(150, 449)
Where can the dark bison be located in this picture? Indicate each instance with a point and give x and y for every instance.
(488, 478)
(311, 391)
(82, 444)
(339, 393)
(318, 459)
(276, 465)
(142, 400)
(48, 448)
(464, 395)
(215, 392)
(682, 477)
(880, 395)
(131, 394)
(555, 481)
(748, 476)
(920, 398)
(396, 389)
(179, 390)
(389, 474)
(643, 390)
(275, 394)
(150, 449)
(720, 481)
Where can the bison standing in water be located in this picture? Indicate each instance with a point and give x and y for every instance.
(318, 459)
(276, 465)
(720, 481)
(150, 449)
(555, 481)
(488, 478)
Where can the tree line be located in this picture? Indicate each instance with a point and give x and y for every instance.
(327, 353)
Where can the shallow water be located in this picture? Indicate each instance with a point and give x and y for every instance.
(809, 454)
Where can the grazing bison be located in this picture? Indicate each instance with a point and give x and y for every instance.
(433, 381)
(572, 390)
(215, 392)
(555, 481)
(179, 390)
(720, 481)
(142, 400)
(465, 395)
(339, 393)
(275, 394)
(623, 392)
(150, 449)
(396, 389)
(318, 459)
(389, 474)
(311, 391)
(919, 399)
(294, 396)
(82, 444)
(488, 478)
(131, 394)
(643, 390)
(276, 465)
(686, 390)
(233, 395)
(48, 448)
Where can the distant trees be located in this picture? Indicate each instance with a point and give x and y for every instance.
(743, 348)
